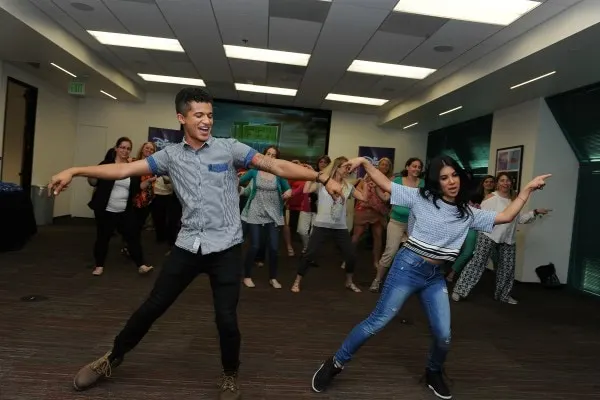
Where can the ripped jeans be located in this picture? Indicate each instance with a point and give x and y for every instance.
(409, 274)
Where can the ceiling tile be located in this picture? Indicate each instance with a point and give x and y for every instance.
(412, 24)
(280, 100)
(339, 43)
(307, 10)
(283, 35)
(461, 35)
(196, 28)
(243, 20)
(288, 76)
(140, 17)
(252, 97)
(355, 84)
(99, 19)
(222, 90)
(389, 47)
(245, 71)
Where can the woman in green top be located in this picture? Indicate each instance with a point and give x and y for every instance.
(398, 225)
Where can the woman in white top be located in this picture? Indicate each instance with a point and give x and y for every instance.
(330, 221)
(502, 238)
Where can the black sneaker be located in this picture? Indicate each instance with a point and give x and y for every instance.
(435, 381)
(324, 375)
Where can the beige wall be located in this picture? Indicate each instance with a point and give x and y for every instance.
(55, 130)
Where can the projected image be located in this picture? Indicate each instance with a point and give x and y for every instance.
(299, 134)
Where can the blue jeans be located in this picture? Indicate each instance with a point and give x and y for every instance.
(259, 233)
(409, 274)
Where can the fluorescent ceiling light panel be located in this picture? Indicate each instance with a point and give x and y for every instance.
(172, 79)
(140, 42)
(108, 94)
(411, 125)
(244, 87)
(266, 55)
(451, 110)
(63, 70)
(355, 99)
(496, 12)
(399, 71)
(533, 80)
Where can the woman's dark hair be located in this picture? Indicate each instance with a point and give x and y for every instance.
(111, 155)
(123, 139)
(277, 153)
(325, 158)
(479, 194)
(408, 163)
(433, 191)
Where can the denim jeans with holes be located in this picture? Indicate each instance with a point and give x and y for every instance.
(409, 274)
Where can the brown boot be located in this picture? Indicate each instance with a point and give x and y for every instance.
(89, 375)
(229, 389)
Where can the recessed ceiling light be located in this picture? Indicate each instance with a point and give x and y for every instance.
(411, 125)
(496, 12)
(245, 87)
(63, 70)
(533, 80)
(266, 55)
(451, 110)
(399, 71)
(140, 42)
(172, 79)
(108, 94)
(356, 99)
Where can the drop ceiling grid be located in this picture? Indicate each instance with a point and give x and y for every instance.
(339, 43)
(196, 27)
(101, 18)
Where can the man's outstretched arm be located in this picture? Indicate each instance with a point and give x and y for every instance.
(113, 171)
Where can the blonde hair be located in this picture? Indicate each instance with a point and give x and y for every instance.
(391, 170)
(140, 155)
(332, 169)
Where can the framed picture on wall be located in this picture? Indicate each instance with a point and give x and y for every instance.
(510, 161)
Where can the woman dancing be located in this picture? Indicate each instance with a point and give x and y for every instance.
(330, 221)
(439, 220)
(503, 240)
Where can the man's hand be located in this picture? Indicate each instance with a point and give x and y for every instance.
(287, 194)
(60, 182)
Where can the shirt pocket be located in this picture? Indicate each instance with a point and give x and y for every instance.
(217, 173)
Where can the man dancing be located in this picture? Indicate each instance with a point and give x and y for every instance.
(203, 171)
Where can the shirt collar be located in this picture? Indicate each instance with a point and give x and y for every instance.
(208, 143)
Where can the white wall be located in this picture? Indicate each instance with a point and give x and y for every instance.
(349, 131)
(546, 150)
(55, 130)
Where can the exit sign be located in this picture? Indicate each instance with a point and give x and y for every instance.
(77, 88)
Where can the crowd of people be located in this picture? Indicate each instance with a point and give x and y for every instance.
(430, 217)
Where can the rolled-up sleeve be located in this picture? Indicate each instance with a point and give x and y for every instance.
(159, 162)
(242, 154)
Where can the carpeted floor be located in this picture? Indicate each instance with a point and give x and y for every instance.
(545, 348)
